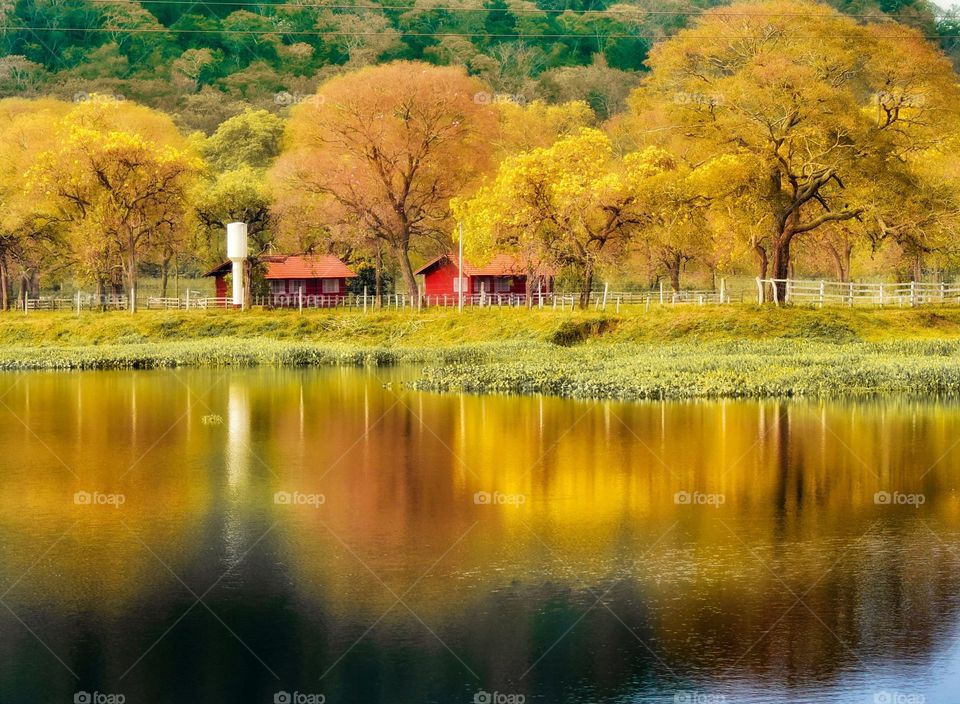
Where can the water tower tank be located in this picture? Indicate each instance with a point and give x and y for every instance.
(237, 253)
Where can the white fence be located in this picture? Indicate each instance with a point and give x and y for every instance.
(779, 291)
(821, 293)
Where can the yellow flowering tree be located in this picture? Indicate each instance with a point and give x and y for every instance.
(28, 225)
(570, 204)
(120, 176)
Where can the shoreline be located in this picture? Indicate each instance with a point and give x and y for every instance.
(781, 368)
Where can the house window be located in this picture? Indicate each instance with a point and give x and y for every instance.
(503, 284)
(331, 286)
(460, 284)
(277, 287)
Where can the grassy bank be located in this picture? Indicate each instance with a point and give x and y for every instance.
(663, 353)
(447, 328)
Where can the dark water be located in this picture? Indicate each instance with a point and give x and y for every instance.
(674, 552)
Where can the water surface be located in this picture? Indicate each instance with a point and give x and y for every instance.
(230, 536)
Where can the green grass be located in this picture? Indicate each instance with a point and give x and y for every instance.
(445, 327)
(731, 351)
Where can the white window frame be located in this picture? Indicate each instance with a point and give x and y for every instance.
(461, 283)
(329, 286)
(502, 284)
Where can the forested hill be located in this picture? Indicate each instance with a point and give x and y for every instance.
(205, 61)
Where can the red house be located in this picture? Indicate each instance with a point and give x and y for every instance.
(502, 275)
(322, 277)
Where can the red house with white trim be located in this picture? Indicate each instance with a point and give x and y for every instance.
(504, 275)
(322, 277)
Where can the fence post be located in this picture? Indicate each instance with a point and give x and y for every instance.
(881, 295)
(661, 293)
(759, 291)
(723, 290)
(78, 303)
(606, 287)
(943, 291)
(912, 293)
(300, 300)
(851, 294)
(821, 292)
(618, 305)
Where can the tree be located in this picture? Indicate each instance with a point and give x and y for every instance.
(820, 104)
(605, 89)
(251, 138)
(120, 175)
(19, 75)
(526, 126)
(569, 204)
(238, 195)
(27, 223)
(384, 149)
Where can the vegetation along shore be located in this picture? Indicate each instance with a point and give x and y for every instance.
(713, 352)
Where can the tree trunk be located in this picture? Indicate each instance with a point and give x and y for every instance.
(528, 288)
(130, 273)
(4, 284)
(781, 265)
(101, 287)
(164, 276)
(763, 261)
(248, 283)
(587, 287)
(22, 293)
(378, 279)
(409, 279)
(673, 263)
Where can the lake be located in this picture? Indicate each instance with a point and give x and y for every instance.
(327, 535)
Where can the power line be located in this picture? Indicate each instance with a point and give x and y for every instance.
(401, 33)
(512, 10)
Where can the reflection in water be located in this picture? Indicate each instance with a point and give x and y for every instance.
(563, 550)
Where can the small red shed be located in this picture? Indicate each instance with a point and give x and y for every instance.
(322, 277)
(503, 275)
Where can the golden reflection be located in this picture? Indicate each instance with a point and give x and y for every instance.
(590, 502)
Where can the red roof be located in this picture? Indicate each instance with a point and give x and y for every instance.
(298, 266)
(499, 265)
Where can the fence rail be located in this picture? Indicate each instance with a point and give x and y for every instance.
(779, 291)
(821, 293)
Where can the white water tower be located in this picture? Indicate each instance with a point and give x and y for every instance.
(237, 253)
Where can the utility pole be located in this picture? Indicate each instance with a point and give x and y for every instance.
(460, 276)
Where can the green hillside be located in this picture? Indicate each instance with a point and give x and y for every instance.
(206, 61)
